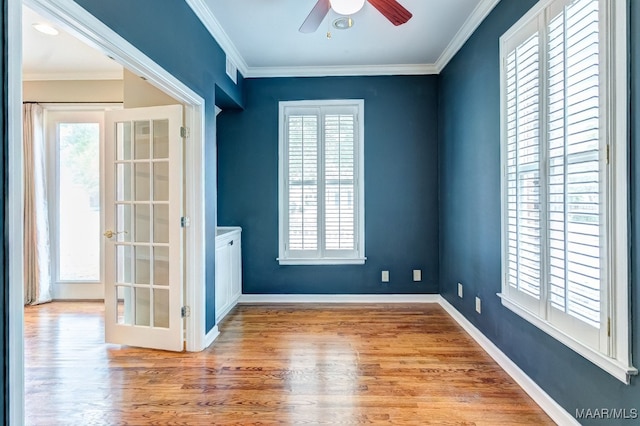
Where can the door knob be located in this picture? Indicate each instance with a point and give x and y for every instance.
(110, 234)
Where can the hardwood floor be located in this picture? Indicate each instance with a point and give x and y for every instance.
(284, 364)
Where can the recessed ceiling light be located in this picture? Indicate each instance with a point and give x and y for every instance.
(343, 23)
(45, 29)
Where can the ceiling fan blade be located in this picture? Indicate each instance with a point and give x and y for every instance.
(316, 16)
(392, 10)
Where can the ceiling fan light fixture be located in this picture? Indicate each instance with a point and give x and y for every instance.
(347, 7)
(343, 23)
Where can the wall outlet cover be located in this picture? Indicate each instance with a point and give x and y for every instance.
(460, 290)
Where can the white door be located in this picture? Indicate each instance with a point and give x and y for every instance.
(143, 209)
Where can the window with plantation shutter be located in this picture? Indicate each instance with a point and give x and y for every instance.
(321, 191)
(564, 185)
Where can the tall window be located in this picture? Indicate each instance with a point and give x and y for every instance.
(74, 193)
(321, 182)
(564, 177)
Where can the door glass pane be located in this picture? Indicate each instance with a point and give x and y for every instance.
(124, 311)
(142, 182)
(123, 141)
(142, 223)
(161, 308)
(142, 306)
(161, 181)
(141, 142)
(161, 139)
(161, 266)
(161, 223)
(143, 265)
(79, 202)
(123, 182)
(123, 264)
(123, 222)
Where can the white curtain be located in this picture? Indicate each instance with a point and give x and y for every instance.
(37, 279)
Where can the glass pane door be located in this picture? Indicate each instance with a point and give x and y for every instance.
(145, 293)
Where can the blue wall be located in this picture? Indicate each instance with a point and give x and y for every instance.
(184, 48)
(401, 192)
(470, 220)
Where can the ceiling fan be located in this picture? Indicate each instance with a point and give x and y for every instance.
(391, 9)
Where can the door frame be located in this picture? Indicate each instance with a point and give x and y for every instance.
(77, 21)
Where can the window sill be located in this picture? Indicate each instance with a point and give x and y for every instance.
(323, 261)
(615, 367)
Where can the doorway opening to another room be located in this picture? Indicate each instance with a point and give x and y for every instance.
(69, 16)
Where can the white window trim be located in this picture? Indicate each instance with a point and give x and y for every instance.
(619, 363)
(360, 258)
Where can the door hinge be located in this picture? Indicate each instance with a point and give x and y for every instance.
(608, 154)
(609, 327)
(185, 311)
(184, 132)
(185, 221)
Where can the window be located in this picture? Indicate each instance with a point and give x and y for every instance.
(321, 174)
(564, 188)
(74, 187)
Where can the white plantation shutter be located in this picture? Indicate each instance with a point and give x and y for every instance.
(523, 167)
(575, 205)
(555, 245)
(303, 182)
(339, 166)
(321, 217)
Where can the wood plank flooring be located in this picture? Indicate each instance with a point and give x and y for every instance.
(284, 364)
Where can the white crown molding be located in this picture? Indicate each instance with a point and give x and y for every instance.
(548, 404)
(203, 12)
(115, 75)
(338, 298)
(470, 25)
(340, 70)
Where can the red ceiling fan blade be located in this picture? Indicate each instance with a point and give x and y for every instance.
(316, 17)
(392, 10)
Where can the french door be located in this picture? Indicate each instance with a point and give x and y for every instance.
(143, 211)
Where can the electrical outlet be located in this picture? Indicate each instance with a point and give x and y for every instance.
(417, 275)
(478, 305)
(385, 276)
(460, 290)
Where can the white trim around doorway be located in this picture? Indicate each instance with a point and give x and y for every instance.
(77, 21)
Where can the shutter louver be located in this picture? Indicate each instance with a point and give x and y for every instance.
(303, 182)
(339, 170)
(523, 167)
(575, 224)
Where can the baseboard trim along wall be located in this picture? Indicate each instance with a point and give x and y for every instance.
(548, 404)
(211, 336)
(338, 298)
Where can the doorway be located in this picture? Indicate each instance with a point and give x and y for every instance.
(77, 21)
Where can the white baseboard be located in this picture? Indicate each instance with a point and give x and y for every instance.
(75, 291)
(338, 298)
(548, 404)
(211, 336)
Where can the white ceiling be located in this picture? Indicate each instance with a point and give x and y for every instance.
(263, 37)
(61, 57)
